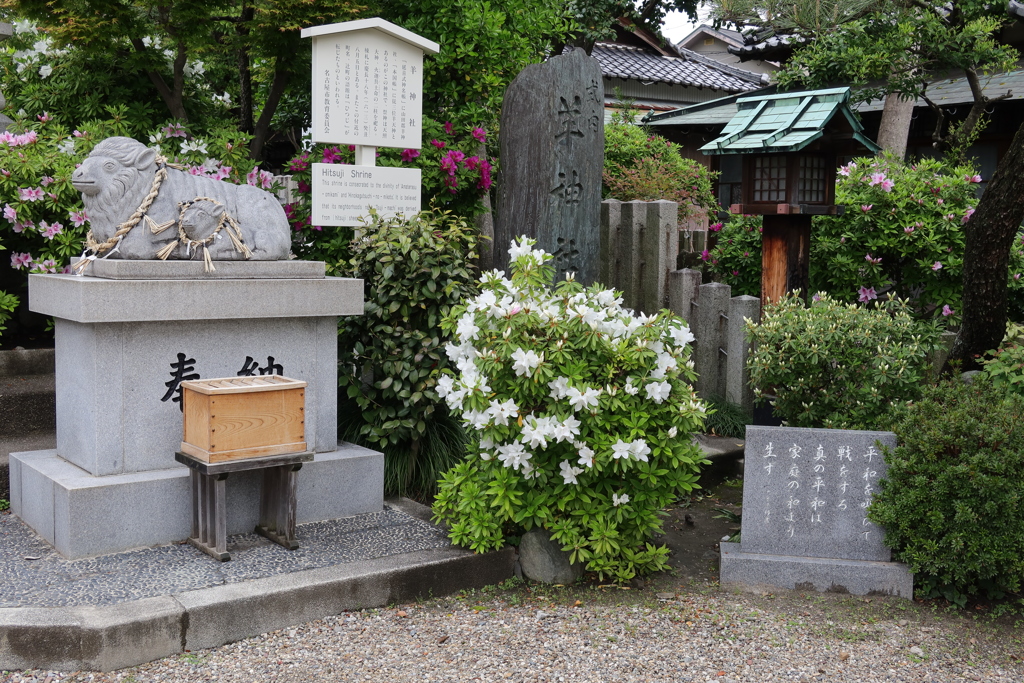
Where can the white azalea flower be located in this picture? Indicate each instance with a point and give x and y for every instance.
(45, 70)
(528, 472)
(631, 388)
(467, 329)
(569, 472)
(566, 429)
(559, 388)
(513, 455)
(486, 442)
(586, 456)
(618, 500)
(681, 335)
(620, 449)
(658, 391)
(523, 248)
(525, 362)
(456, 398)
(608, 300)
(537, 431)
(41, 45)
(639, 450)
(67, 147)
(501, 412)
(445, 383)
(584, 399)
(672, 433)
(476, 418)
(455, 352)
(24, 26)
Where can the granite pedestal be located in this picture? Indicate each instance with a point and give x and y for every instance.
(805, 526)
(122, 348)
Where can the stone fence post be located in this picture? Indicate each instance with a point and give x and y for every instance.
(639, 245)
(717, 320)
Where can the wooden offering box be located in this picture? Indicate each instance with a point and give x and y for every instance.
(243, 417)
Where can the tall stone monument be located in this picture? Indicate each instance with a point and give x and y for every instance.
(552, 155)
(805, 526)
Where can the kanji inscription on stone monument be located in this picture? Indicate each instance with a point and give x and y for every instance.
(806, 492)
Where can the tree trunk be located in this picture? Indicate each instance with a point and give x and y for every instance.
(262, 130)
(172, 98)
(245, 104)
(988, 239)
(485, 224)
(895, 126)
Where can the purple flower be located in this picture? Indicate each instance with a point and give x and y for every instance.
(735, 273)
(304, 187)
(947, 311)
(715, 227)
(816, 298)
(937, 265)
(437, 143)
(485, 175)
(332, 155)
(299, 163)
(479, 134)
(867, 294)
(472, 162)
(448, 127)
(409, 154)
(705, 255)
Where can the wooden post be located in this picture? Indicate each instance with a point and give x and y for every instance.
(785, 256)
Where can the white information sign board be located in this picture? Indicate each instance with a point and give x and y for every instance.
(343, 193)
(368, 84)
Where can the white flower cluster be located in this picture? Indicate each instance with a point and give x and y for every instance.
(490, 317)
(41, 49)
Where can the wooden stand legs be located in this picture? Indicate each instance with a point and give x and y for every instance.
(277, 505)
(209, 515)
(277, 509)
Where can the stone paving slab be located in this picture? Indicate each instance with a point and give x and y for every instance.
(115, 611)
(49, 580)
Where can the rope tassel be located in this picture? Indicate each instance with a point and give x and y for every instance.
(166, 251)
(155, 228)
(207, 261)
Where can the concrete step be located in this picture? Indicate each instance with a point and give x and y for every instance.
(28, 405)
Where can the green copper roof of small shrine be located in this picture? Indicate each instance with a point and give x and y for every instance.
(785, 122)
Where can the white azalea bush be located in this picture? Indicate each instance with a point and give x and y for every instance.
(579, 415)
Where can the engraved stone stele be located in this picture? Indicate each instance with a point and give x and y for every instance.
(552, 155)
(805, 498)
(120, 173)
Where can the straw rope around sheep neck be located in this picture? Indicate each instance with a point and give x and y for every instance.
(104, 249)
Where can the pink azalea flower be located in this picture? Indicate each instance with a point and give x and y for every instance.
(300, 163)
(175, 130)
(50, 231)
(844, 170)
(705, 255)
(45, 181)
(266, 180)
(1016, 276)
(872, 261)
(332, 155)
(10, 213)
(78, 134)
(866, 294)
(816, 298)
(937, 265)
(715, 227)
(947, 311)
(78, 218)
(30, 194)
(866, 207)
(967, 215)
(940, 200)
(47, 266)
(909, 229)
(448, 127)
(735, 273)
(437, 143)
(887, 185)
(950, 216)
(972, 178)
(304, 187)
(472, 162)
(409, 154)
(19, 261)
(479, 134)
(198, 170)
(485, 175)
(876, 179)
(222, 173)
(44, 117)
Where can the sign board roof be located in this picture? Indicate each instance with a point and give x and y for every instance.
(428, 46)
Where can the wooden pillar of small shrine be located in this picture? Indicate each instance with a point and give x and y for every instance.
(785, 256)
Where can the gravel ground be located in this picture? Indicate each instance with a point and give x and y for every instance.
(662, 633)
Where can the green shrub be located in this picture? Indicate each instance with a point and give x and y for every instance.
(415, 271)
(838, 365)
(726, 419)
(579, 416)
(952, 503)
(736, 257)
(638, 165)
(1005, 365)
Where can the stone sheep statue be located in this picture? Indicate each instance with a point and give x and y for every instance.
(123, 184)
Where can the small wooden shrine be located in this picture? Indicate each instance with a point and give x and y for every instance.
(791, 143)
